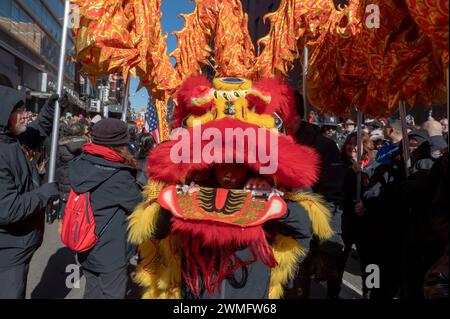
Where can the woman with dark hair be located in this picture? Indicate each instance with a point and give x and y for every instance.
(107, 171)
(355, 225)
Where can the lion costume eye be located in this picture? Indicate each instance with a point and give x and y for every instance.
(236, 94)
(225, 96)
(215, 95)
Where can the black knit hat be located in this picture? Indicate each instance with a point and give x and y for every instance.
(110, 132)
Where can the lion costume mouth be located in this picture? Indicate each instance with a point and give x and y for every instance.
(213, 223)
(218, 205)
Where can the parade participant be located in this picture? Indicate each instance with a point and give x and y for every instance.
(232, 234)
(328, 126)
(22, 197)
(107, 171)
(377, 138)
(423, 245)
(382, 201)
(349, 126)
(323, 260)
(436, 280)
(356, 227)
(133, 144)
(146, 143)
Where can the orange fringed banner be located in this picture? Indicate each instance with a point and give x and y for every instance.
(350, 64)
(295, 24)
(233, 48)
(373, 68)
(154, 69)
(353, 65)
(194, 39)
(103, 42)
(223, 24)
(432, 19)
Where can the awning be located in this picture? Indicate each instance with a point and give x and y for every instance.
(72, 98)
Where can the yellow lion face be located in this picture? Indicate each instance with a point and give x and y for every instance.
(232, 98)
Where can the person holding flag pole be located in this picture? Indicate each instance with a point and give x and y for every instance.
(22, 197)
(357, 229)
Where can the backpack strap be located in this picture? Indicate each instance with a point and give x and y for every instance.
(107, 224)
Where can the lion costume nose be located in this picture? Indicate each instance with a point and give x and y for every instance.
(229, 108)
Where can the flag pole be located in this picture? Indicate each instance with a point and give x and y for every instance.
(448, 137)
(305, 73)
(55, 130)
(125, 99)
(405, 141)
(359, 154)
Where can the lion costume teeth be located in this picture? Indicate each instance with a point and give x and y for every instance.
(267, 106)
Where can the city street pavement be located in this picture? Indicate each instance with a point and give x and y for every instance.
(47, 276)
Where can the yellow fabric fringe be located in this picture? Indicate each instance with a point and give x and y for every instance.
(318, 212)
(159, 270)
(143, 220)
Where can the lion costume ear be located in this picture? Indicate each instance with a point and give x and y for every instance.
(257, 101)
(190, 96)
(282, 98)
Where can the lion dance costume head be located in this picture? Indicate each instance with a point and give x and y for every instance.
(228, 120)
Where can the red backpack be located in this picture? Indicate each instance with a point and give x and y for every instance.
(78, 225)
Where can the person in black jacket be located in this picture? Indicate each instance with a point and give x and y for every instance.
(146, 143)
(70, 146)
(382, 201)
(356, 227)
(422, 245)
(133, 144)
(324, 256)
(22, 198)
(107, 170)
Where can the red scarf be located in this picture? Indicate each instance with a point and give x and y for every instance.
(103, 151)
(365, 162)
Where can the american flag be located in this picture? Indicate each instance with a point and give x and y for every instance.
(151, 120)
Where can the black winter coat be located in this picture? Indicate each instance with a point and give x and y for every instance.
(330, 183)
(358, 229)
(68, 149)
(114, 195)
(22, 198)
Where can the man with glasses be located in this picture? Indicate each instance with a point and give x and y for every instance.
(22, 198)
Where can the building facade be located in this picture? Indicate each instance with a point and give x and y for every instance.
(105, 97)
(30, 37)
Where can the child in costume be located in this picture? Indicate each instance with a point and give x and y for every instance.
(238, 231)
